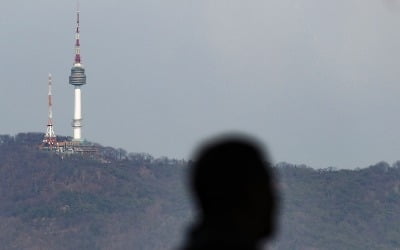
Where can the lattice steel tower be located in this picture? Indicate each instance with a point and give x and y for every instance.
(77, 79)
(50, 137)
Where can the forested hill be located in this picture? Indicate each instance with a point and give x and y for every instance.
(343, 209)
(116, 201)
(120, 200)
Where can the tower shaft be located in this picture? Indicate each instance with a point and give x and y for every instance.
(77, 121)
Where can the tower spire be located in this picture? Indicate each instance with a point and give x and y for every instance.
(77, 41)
(50, 101)
(50, 136)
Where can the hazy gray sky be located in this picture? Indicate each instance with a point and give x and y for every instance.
(317, 81)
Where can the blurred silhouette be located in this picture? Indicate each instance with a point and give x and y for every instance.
(232, 185)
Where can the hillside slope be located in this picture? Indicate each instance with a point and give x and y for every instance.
(344, 209)
(74, 202)
(134, 201)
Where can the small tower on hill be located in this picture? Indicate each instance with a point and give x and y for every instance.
(50, 139)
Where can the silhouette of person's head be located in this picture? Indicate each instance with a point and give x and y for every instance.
(232, 185)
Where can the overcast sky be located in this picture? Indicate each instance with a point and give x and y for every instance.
(317, 81)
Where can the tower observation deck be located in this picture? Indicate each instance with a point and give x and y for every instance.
(77, 77)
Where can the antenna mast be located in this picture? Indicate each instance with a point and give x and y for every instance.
(77, 42)
(50, 137)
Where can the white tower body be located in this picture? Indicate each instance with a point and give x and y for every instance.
(77, 78)
(77, 122)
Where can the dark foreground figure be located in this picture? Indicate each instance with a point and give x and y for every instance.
(232, 185)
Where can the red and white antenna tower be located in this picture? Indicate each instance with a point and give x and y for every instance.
(77, 41)
(50, 137)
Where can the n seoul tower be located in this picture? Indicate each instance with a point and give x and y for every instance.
(77, 79)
